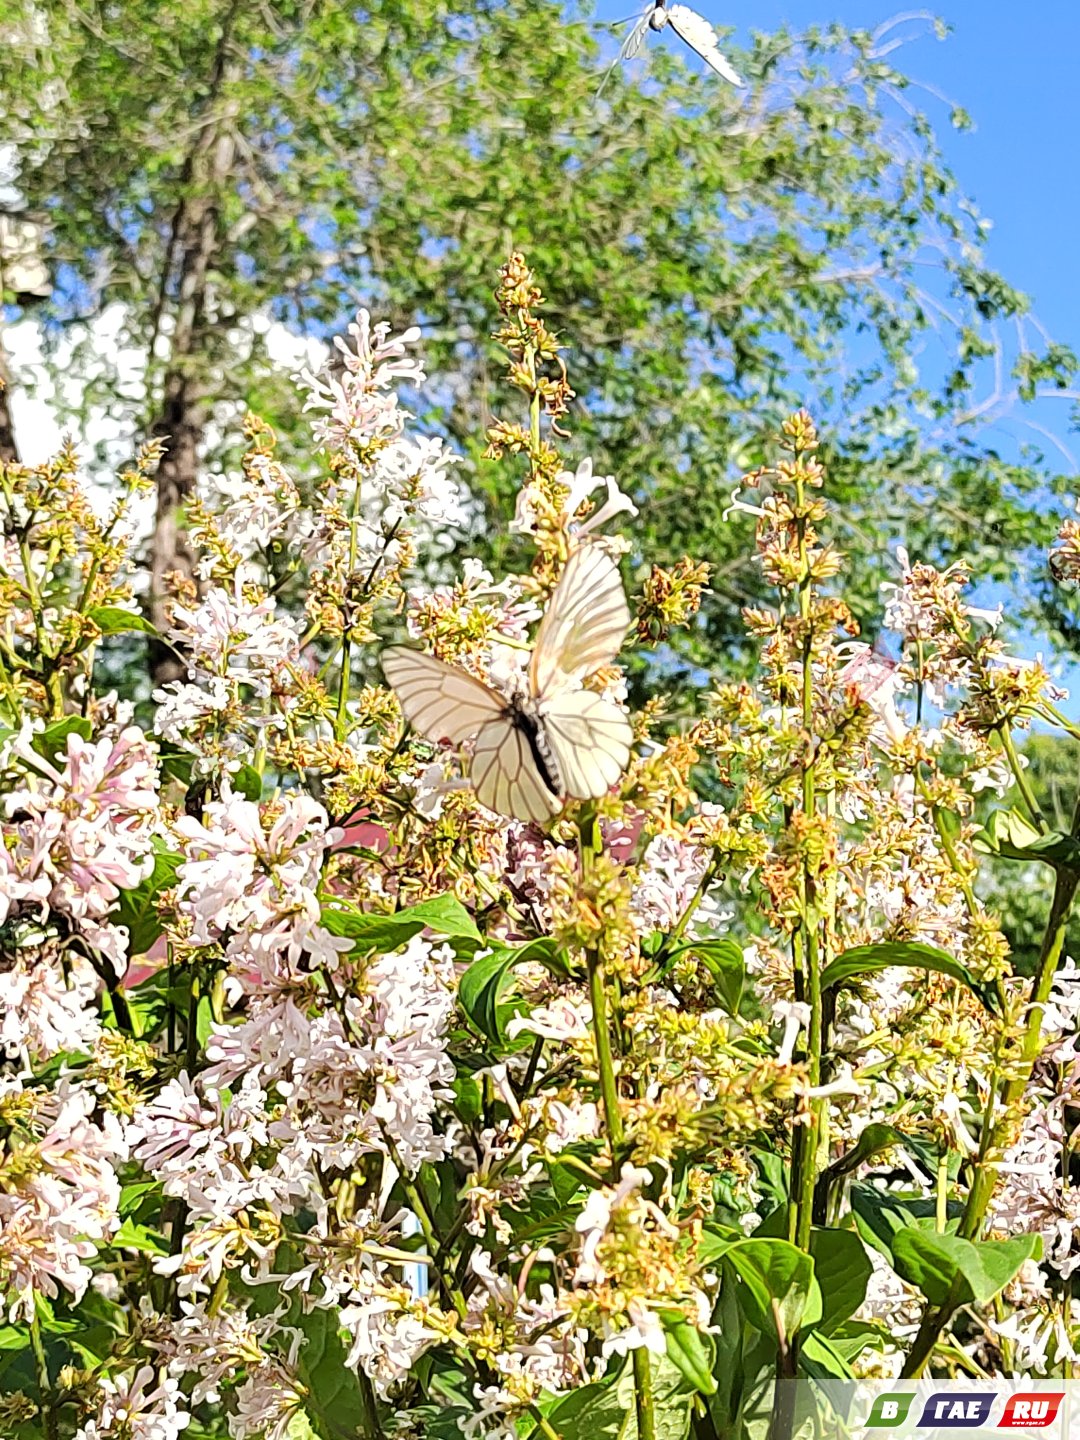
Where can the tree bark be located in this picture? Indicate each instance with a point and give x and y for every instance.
(181, 422)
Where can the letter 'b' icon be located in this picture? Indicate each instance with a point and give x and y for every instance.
(890, 1411)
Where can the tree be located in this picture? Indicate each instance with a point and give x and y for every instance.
(726, 255)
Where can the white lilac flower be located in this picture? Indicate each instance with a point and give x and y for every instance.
(65, 1201)
(593, 1222)
(239, 876)
(356, 405)
(79, 833)
(228, 635)
(669, 874)
(252, 509)
(46, 1008)
(388, 1337)
(138, 1407)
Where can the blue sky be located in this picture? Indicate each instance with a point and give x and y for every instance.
(1013, 68)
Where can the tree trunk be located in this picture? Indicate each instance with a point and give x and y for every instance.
(181, 422)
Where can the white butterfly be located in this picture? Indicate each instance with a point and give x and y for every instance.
(551, 741)
(692, 29)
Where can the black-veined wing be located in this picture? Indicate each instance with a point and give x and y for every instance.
(590, 737)
(439, 700)
(506, 774)
(584, 624)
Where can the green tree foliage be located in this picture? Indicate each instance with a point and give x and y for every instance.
(726, 255)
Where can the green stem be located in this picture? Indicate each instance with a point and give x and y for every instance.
(426, 1221)
(543, 1425)
(41, 1366)
(609, 1092)
(997, 1120)
(672, 938)
(341, 721)
(1019, 775)
(810, 1135)
(643, 1395)
(941, 1208)
(121, 1009)
(369, 1413)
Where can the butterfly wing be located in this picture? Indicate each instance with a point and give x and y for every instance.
(629, 48)
(694, 30)
(439, 700)
(505, 774)
(584, 624)
(633, 42)
(590, 737)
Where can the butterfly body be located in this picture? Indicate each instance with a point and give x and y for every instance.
(550, 739)
(691, 28)
(526, 719)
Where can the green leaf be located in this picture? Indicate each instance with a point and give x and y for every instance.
(446, 915)
(691, 1352)
(132, 1236)
(671, 1401)
(592, 1412)
(334, 1405)
(868, 959)
(949, 1270)
(778, 1285)
(133, 1195)
(114, 620)
(882, 1214)
(484, 983)
(468, 1099)
(386, 933)
(842, 1269)
(820, 1359)
(773, 1174)
(1011, 835)
(854, 1336)
(247, 782)
(873, 1140)
(52, 741)
(716, 1240)
(724, 961)
(136, 909)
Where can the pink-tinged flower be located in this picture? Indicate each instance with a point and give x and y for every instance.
(878, 681)
(238, 876)
(668, 876)
(621, 840)
(63, 1201)
(80, 834)
(47, 1008)
(138, 1406)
